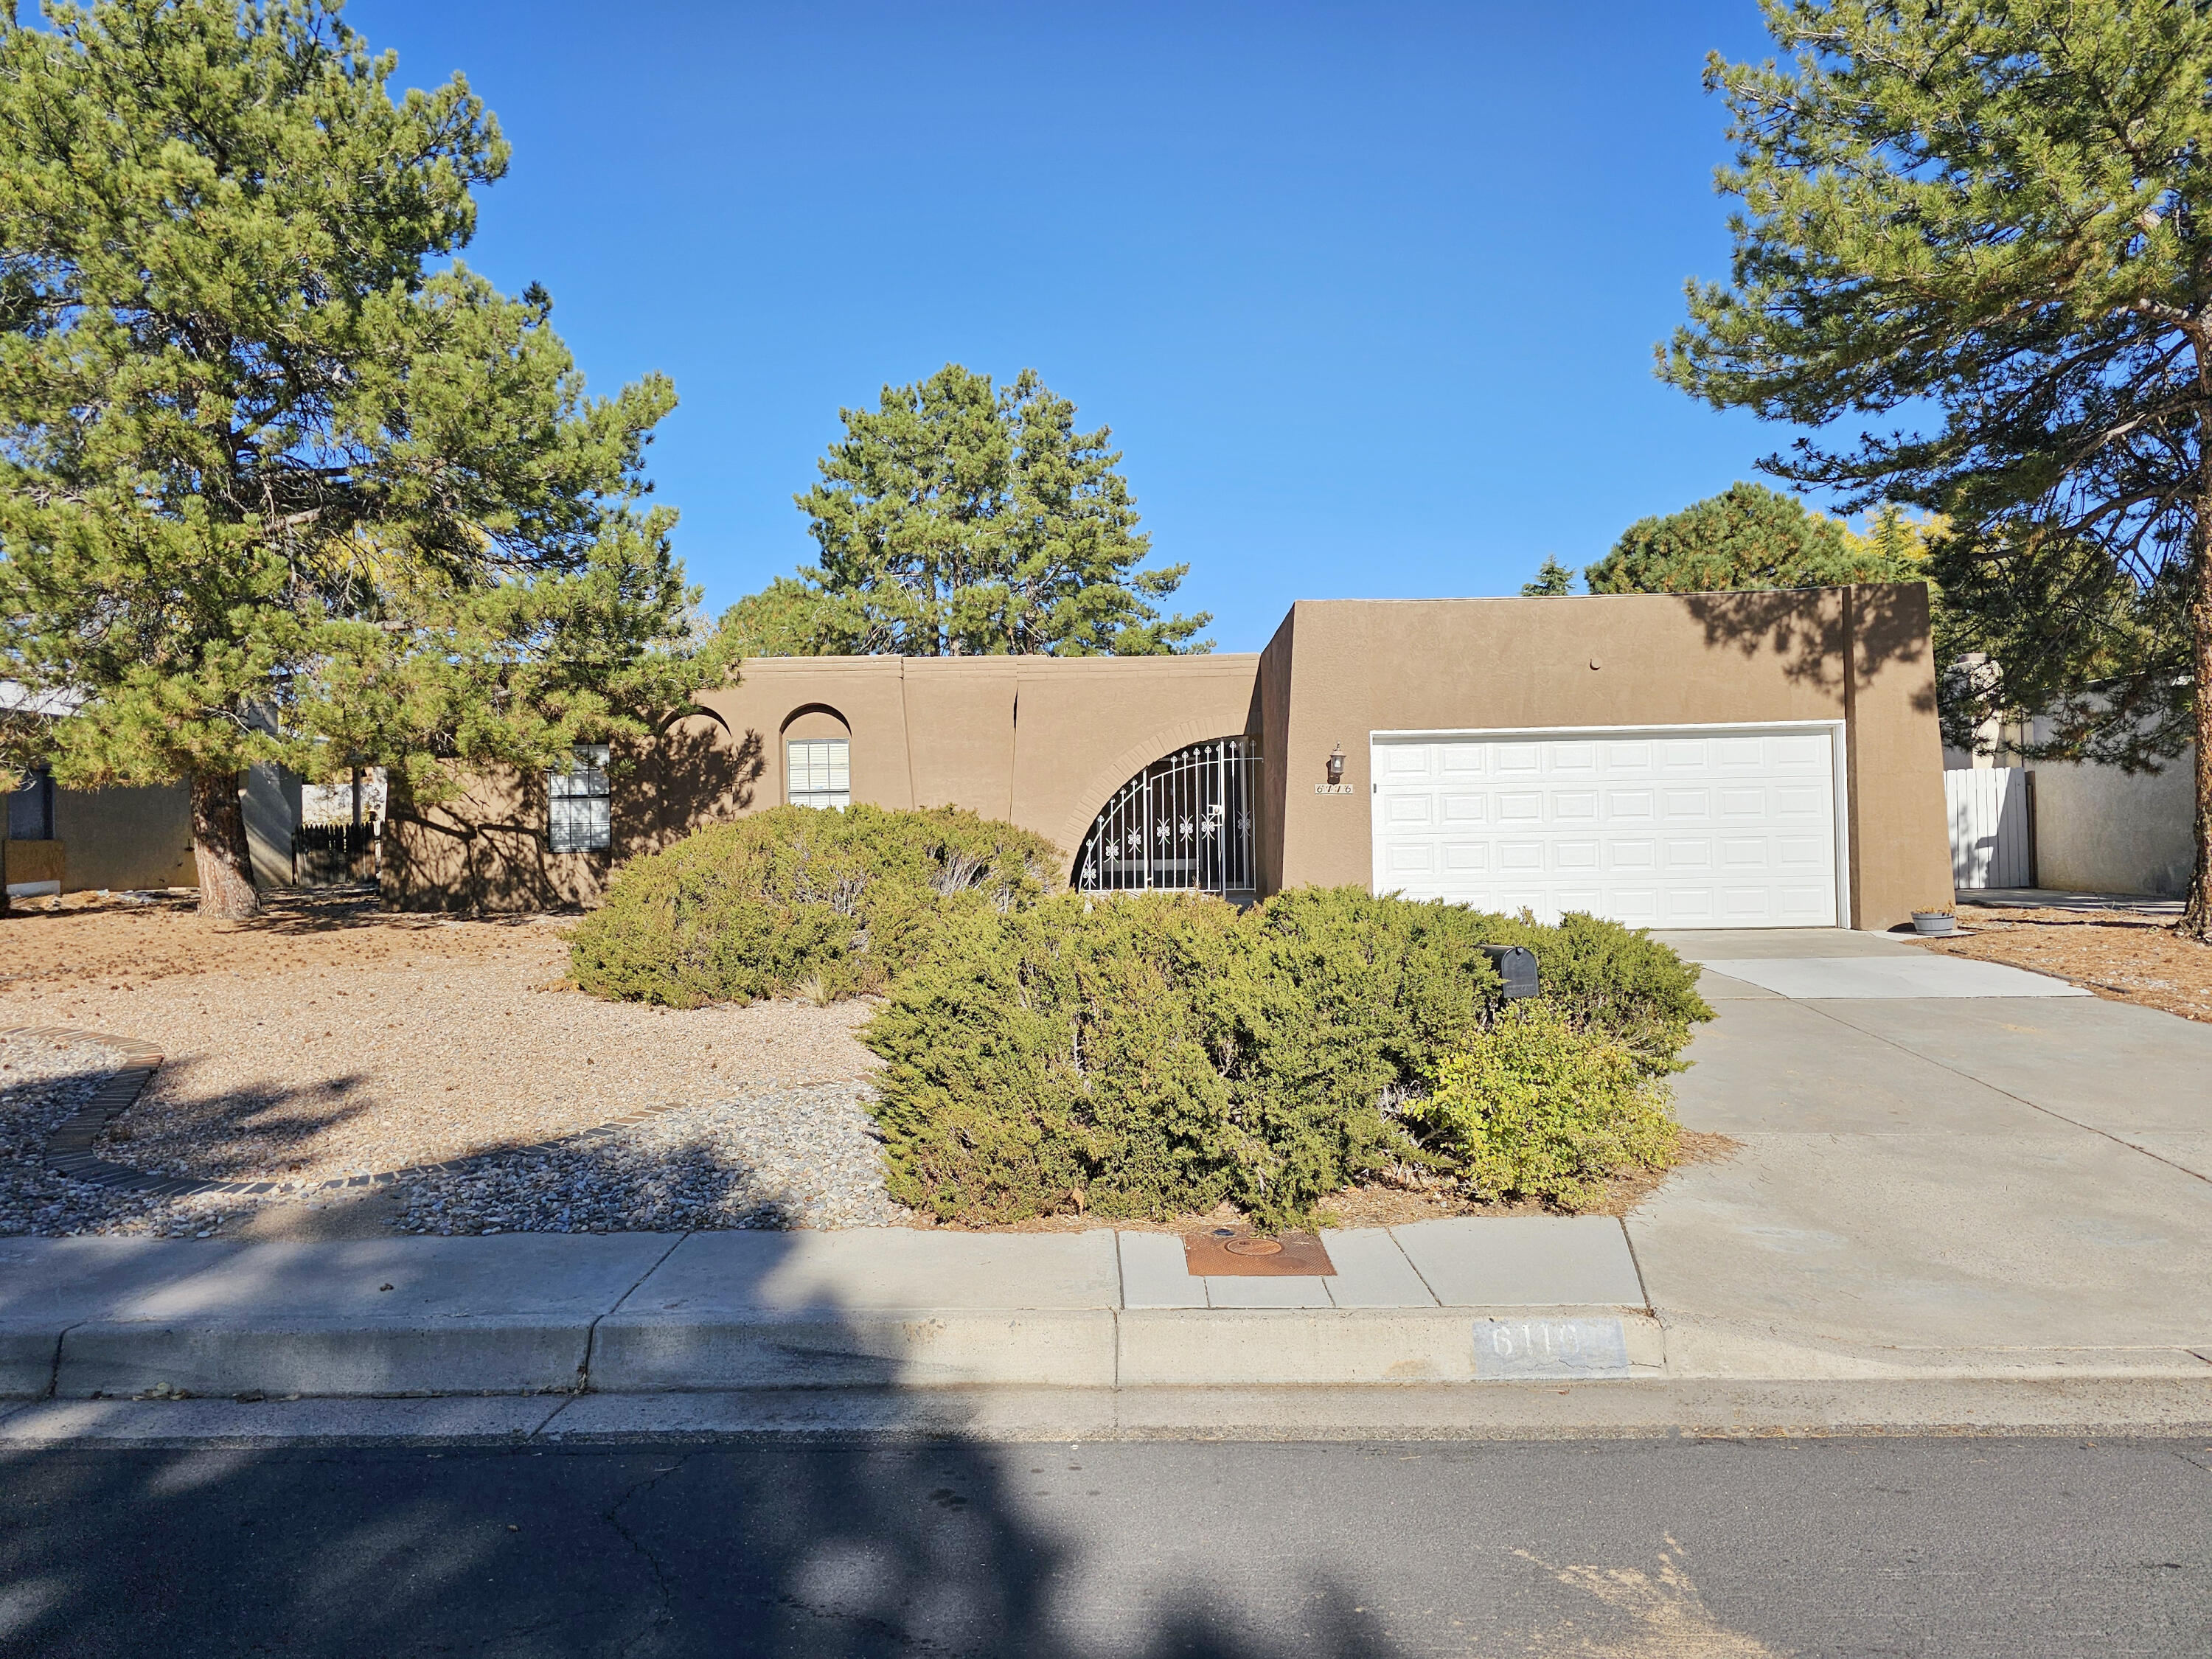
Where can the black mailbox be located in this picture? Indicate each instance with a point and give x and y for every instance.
(1517, 969)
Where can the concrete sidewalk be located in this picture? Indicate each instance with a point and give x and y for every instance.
(521, 1313)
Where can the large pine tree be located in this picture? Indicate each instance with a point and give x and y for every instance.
(280, 480)
(1991, 225)
(1747, 537)
(955, 520)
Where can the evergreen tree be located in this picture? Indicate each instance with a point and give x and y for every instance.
(791, 618)
(1747, 537)
(957, 521)
(1990, 222)
(1554, 580)
(278, 482)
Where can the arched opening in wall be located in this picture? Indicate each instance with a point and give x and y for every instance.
(818, 758)
(1184, 824)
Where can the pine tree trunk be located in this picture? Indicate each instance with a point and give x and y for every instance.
(2196, 914)
(220, 851)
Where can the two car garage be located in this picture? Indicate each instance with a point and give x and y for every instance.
(1724, 826)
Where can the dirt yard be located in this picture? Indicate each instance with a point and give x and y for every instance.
(2120, 955)
(327, 1038)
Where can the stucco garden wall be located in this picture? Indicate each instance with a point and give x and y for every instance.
(2102, 830)
(121, 839)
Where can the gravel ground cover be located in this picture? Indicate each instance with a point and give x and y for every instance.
(328, 1039)
(786, 1157)
(2122, 957)
(42, 1082)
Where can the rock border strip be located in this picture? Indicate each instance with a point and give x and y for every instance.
(69, 1146)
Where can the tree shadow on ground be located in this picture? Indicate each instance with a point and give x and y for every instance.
(257, 1132)
(805, 1550)
(902, 1543)
(689, 1170)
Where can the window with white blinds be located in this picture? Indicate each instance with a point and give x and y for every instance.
(818, 772)
(580, 804)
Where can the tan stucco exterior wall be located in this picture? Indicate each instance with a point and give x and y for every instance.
(1900, 828)
(1040, 741)
(121, 839)
(1044, 741)
(1341, 670)
(486, 847)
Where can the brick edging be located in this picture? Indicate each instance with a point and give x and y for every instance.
(69, 1146)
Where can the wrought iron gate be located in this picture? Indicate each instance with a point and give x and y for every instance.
(1183, 824)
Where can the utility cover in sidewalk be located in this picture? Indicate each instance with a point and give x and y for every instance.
(1234, 1252)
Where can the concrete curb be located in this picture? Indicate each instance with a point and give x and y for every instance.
(1071, 1348)
(1521, 1411)
(922, 1351)
(326, 1357)
(1346, 1347)
(916, 1350)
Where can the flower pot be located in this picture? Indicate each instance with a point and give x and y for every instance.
(1934, 921)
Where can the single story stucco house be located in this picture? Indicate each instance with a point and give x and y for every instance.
(1720, 760)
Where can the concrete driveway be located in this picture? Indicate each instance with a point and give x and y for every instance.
(1938, 1155)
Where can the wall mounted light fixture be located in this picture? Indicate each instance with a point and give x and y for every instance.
(1336, 764)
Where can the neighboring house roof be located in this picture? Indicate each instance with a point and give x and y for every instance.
(14, 695)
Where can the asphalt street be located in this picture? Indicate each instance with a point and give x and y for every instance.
(1688, 1549)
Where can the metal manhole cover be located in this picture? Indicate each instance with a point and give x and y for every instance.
(1227, 1252)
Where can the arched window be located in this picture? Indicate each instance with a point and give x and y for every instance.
(817, 758)
(1183, 824)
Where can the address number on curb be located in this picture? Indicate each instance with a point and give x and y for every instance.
(1550, 1347)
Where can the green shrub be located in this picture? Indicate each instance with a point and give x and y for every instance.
(1052, 1060)
(1338, 1005)
(1541, 1108)
(1149, 1055)
(834, 902)
(1605, 977)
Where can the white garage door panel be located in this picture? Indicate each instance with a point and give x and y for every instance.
(1735, 828)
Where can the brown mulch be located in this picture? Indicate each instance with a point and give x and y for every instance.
(1378, 1205)
(327, 1038)
(2121, 957)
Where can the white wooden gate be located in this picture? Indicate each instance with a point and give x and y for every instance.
(1992, 833)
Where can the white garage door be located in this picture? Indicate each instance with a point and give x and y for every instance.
(1734, 827)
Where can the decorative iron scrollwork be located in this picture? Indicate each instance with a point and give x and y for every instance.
(1184, 824)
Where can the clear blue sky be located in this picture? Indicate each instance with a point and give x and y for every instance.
(1367, 292)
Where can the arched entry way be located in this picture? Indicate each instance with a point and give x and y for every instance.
(1183, 824)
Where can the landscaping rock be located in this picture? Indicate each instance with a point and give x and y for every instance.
(44, 1081)
(786, 1157)
(801, 1156)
